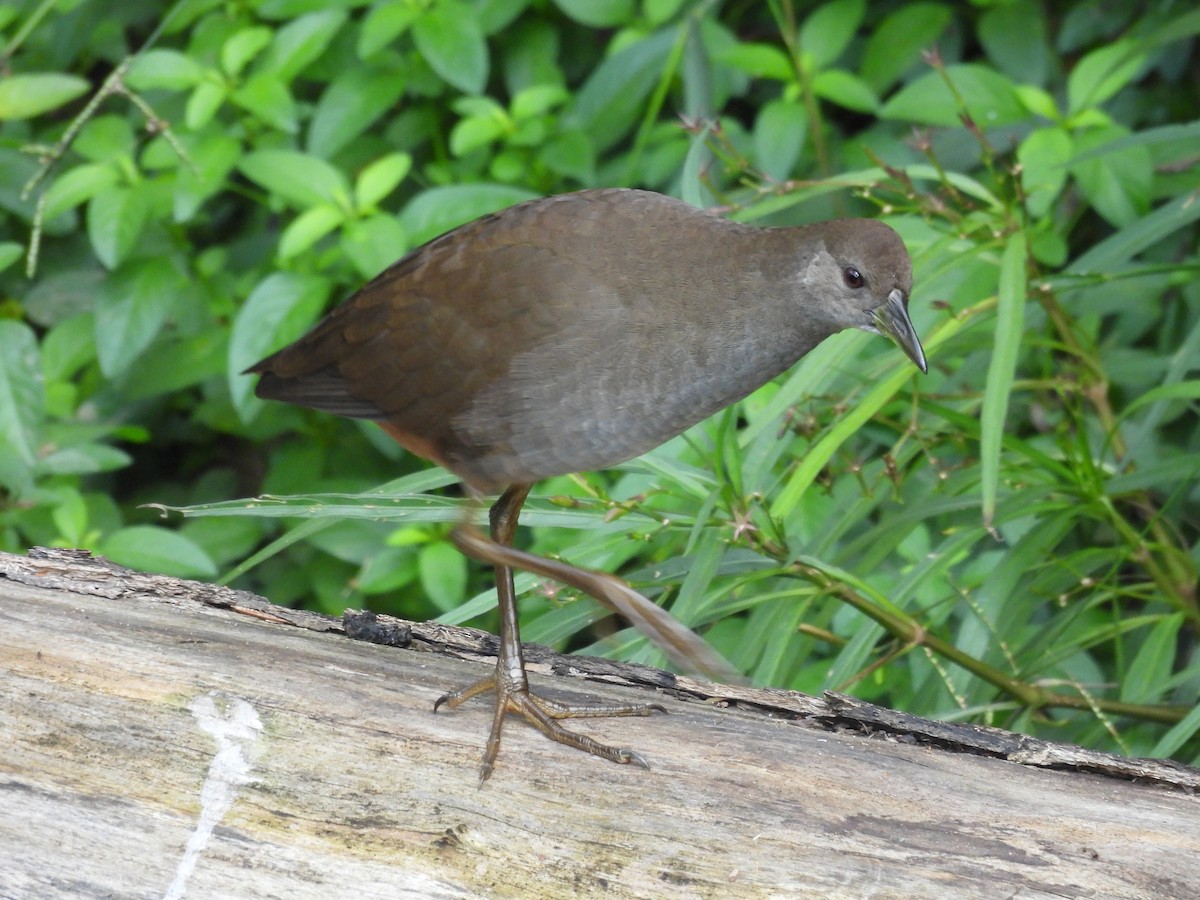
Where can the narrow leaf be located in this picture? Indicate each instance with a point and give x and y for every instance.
(1010, 318)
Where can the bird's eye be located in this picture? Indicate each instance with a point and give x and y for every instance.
(853, 277)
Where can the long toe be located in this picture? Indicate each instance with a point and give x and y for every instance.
(543, 714)
(533, 709)
(585, 711)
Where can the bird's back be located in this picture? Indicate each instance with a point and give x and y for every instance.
(559, 335)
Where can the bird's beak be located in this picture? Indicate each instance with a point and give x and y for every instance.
(892, 320)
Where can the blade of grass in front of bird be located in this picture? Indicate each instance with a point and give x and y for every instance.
(1010, 319)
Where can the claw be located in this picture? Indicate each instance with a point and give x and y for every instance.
(632, 756)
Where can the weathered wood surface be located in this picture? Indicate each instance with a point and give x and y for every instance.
(165, 738)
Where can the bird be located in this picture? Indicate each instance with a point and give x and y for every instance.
(572, 333)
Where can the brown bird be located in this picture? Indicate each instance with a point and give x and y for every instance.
(570, 334)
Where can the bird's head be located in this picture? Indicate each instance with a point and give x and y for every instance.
(862, 274)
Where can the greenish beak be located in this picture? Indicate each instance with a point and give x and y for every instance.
(892, 320)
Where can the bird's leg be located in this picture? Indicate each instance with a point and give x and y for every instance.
(509, 680)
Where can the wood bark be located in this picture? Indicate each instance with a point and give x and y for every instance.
(164, 738)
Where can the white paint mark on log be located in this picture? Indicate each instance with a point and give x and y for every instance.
(235, 729)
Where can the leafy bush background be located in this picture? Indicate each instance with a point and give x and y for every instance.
(1011, 539)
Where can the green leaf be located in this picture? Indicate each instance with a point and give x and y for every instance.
(177, 362)
(352, 102)
(443, 572)
(10, 252)
(658, 12)
(1183, 135)
(846, 90)
(242, 46)
(71, 518)
(131, 308)
(988, 96)
(379, 179)
(300, 179)
(387, 570)
(1183, 390)
(83, 459)
(1038, 102)
(226, 542)
(26, 96)
(1115, 251)
(301, 41)
(1047, 245)
(105, 138)
(1006, 348)
(308, 228)
(1154, 662)
(692, 189)
(704, 561)
(758, 61)
(163, 69)
(1117, 184)
(115, 219)
(450, 40)
(895, 46)
(1179, 735)
(1043, 156)
(827, 32)
(149, 548)
(1103, 72)
(21, 405)
(779, 134)
(268, 98)
(276, 313)
(611, 100)
(1014, 36)
(383, 24)
(374, 243)
(186, 12)
(495, 15)
(77, 185)
(571, 155)
(469, 135)
(597, 13)
(479, 107)
(538, 100)
(439, 209)
(214, 158)
(290, 9)
(203, 104)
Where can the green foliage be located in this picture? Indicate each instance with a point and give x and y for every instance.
(1012, 539)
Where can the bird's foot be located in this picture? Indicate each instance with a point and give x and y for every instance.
(543, 714)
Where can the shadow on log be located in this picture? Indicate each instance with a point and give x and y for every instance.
(165, 738)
